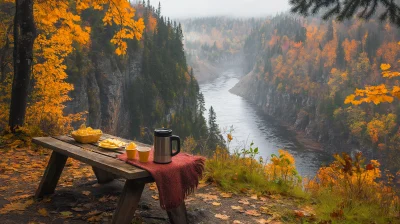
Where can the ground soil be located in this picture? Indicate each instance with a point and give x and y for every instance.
(80, 199)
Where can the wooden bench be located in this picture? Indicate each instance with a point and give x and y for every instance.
(106, 167)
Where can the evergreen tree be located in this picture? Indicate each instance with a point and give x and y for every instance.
(215, 137)
(343, 10)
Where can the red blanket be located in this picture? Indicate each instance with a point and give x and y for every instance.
(175, 180)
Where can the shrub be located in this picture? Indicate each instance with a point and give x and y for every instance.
(350, 191)
(241, 172)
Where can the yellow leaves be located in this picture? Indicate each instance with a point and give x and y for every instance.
(155, 197)
(17, 207)
(208, 197)
(66, 214)
(239, 208)
(87, 193)
(43, 212)
(216, 203)
(222, 217)
(385, 67)
(244, 201)
(375, 94)
(226, 195)
(282, 167)
(229, 136)
(253, 213)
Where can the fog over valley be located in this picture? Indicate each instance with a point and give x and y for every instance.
(243, 8)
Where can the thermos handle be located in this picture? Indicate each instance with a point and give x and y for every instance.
(178, 145)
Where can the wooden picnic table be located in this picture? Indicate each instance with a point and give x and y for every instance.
(106, 167)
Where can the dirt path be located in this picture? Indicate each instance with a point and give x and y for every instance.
(79, 199)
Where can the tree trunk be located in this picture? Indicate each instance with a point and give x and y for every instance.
(24, 37)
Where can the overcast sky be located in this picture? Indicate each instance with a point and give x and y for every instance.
(240, 8)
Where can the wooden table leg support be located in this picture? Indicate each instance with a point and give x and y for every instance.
(51, 174)
(128, 202)
(178, 215)
(102, 176)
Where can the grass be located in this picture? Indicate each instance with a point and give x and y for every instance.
(346, 191)
(240, 174)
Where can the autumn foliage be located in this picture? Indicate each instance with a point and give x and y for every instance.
(352, 185)
(60, 31)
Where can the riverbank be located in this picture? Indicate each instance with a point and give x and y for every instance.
(251, 125)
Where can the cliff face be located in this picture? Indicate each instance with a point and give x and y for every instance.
(297, 111)
(102, 92)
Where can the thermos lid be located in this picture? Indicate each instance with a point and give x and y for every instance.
(162, 132)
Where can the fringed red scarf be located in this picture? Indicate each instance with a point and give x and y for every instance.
(174, 180)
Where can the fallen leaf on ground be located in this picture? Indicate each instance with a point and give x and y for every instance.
(253, 213)
(265, 210)
(263, 199)
(298, 213)
(18, 197)
(263, 221)
(216, 203)
(226, 195)
(244, 201)
(208, 197)
(202, 184)
(153, 187)
(17, 206)
(43, 212)
(77, 209)
(189, 199)
(3, 188)
(155, 197)
(222, 217)
(254, 196)
(66, 214)
(86, 193)
(237, 208)
(96, 218)
(95, 212)
(237, 222)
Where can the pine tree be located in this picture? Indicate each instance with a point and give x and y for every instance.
(343, 10)
(215, 137)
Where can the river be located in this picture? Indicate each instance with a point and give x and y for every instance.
(250, 125)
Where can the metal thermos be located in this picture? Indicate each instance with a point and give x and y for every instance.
(163, 145)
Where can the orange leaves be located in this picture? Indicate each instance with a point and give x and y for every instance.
(121, 13)
(222, 217)
(350, 50)
(385, 66)
(282, 168)
(375, 94)
(152, 23)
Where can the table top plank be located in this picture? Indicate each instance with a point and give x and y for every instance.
(103, 162)
(107, 152)
(139, 144)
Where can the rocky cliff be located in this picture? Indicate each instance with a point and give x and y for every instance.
(295, 110)
(102, 92)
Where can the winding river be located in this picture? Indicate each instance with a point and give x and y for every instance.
(250, 125)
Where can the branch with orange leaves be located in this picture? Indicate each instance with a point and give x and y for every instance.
(376, 94)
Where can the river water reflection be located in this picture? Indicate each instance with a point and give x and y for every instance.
(251, 125)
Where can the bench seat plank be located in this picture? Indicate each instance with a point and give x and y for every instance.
(108, 164)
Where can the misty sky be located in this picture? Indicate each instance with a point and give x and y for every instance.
(240, 8)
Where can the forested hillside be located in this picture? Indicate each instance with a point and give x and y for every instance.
(123, 94)
(302, 70)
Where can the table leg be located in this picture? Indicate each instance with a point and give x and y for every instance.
(102, 176)
(128, 202)
(51, 174)
(178, 215)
